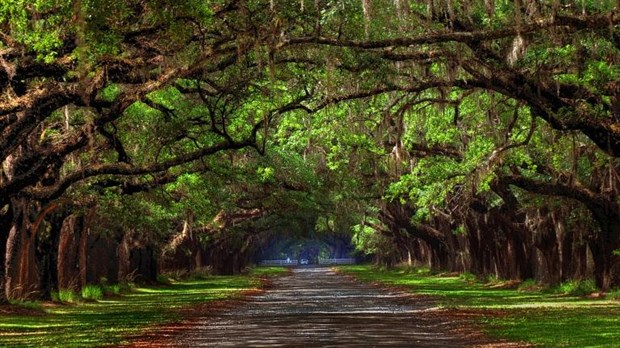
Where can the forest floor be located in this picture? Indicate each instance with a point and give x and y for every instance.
(507, 310)
(317, 307)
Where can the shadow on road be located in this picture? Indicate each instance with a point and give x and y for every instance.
(315, 307)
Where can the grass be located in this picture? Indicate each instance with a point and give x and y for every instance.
(92, 292)
(109, 321)
(68, 296)
(546, 317)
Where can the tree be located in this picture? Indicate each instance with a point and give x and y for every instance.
(89, 86)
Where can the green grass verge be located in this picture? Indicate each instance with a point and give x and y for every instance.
(110, 320)
(545, 318)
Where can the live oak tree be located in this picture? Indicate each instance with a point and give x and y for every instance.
(525, 61)
(558, 62)
(116, 93)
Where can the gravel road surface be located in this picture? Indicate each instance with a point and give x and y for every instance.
(316, 307)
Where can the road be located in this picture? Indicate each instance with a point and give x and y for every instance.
(315, 307)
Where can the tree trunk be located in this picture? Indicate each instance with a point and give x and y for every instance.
(474, 244)
(68, 249)
(123, 259)
(11, 259)
(5, 226)
(143, 264)
(603, 248)
(83, 255)
(47, 258)
(19, 257)
(409, 257)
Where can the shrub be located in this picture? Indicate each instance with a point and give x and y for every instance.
(177, 274)
(614, 294)
(184, 274)
(55, 296)
(468, 277)
(127, 286)
(92, 292)
(68, 295)
(578, 287)
(163, 279)
(112, 289)
(202, 272)
(529, 285)
(492, 279)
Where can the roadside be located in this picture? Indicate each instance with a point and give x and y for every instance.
(507, 310)
(165, 334)
(119, 320)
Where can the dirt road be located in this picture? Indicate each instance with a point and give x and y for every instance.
(315, 307)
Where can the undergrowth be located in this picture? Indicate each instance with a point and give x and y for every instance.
(92, 292)
(577, 287)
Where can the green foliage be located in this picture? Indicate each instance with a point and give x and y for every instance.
(468, 277)
(366, 239)
(184, 275)
(577, 287)
(614, 294)
(42, 34)
(529, 285)
(69, 296)
(93, 292)
(144, 212)
(369, 241)
(427, 186)
(265, 174)
(113, 289)
(110, 93)
(460, 230)
(164, 279)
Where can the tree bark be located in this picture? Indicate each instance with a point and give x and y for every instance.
(603, 248)
(5, 226)
(19, 260)
(47, 257)
(68, 248)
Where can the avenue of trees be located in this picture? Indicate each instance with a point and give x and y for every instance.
(145, 135)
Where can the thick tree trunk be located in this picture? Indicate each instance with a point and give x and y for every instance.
(603, 247)
(123, 259)
(575, 255)
(102, 265)
(47, 258)
(143, 264)
(409, 257)
(5, 225)
(68, 249)
(137, 261)
(474, 244)
(83, 255)
(11, 259)
(21, 275)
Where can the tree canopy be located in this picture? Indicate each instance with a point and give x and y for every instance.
(470, 135)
